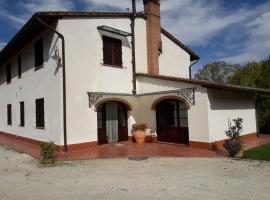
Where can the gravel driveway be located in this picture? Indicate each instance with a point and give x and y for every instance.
(22, 178)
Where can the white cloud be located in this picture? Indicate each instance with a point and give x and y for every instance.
(26, 8)
(2, 45)
(194, 22)
(119, 5)
(257, 46)
(32, 6)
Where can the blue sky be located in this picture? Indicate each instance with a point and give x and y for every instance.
(236, 31)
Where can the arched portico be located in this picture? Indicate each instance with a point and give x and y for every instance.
(112, 120)
(172, 120)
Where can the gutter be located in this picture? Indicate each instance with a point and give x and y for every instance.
(133, 16)
(61, 36)
(190, 66)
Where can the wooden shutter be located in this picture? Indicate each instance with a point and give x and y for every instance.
(9, 114)
(107, 51)
(112, 51)
(39, 53)
(117, 52)
(102, 136)
(22, 113)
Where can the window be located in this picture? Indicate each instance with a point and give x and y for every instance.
(112, 51)
(9, 73)
(9, 114)
(40, 113)
(19, 66)
(22, 113)
(39, 53)
(173, 114)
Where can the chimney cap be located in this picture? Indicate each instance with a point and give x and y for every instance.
(153, 1)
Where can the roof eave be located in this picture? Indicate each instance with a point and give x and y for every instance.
(207, 84)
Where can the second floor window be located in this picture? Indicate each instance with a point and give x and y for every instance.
(9, 73)
(40, 122)
(112, 51)
(39, 53)
(19, 66)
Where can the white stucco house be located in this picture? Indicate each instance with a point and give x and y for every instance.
(84, 78)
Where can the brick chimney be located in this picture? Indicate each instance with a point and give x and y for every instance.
(153, 32)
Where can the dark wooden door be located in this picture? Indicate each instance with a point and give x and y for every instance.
(122, 123)
(172, 122)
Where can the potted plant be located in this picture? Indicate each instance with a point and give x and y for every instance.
(233, 144)
(138, 131)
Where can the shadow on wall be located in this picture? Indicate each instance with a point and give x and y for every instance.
(28, 57)
(124, 39)
(163, 85)
(225, 100)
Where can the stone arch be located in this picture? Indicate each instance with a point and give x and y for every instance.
(157, 101)
(127, 104)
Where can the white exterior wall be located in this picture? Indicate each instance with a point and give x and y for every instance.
(43, 83)
(173, 61)
(141, 46)
(224, 106)
(197, 114)
(86, 73)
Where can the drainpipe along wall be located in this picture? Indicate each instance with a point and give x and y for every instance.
(133, 16)
(64, 77)
(190, 67)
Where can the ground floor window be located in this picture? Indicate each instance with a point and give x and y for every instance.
(9, 114)
(40, 122)
(22, 113)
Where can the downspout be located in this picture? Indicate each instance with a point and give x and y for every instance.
(190, 66)
(64, 78)
(133, 16)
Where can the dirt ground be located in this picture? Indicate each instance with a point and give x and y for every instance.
(22, 178)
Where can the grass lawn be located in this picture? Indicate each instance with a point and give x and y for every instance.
(258, 153)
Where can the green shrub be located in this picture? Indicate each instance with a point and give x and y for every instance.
(233, 144)
(47, 152)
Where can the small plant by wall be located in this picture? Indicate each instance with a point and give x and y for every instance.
(47, 152)
(233, 144)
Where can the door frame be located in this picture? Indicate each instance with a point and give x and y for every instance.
(170, 134)
(122, 130)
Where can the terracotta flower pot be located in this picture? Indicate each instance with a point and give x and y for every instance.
(139, 136)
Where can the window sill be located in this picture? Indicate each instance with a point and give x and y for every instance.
(41, 128)
(19, 77)
(21, 125)
(9, 124)
(38, 67)
(8, 82)
(115, 66)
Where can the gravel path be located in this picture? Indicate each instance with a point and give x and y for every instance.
(22, 178)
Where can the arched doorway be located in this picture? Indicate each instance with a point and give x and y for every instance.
(112, 122)
(172, 121)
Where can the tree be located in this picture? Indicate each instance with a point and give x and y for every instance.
(249, 75)
(220, 72)
(256, 74)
